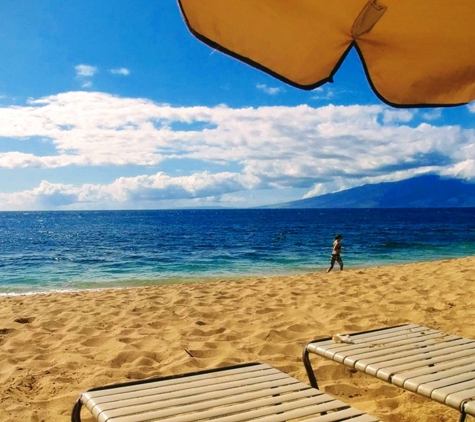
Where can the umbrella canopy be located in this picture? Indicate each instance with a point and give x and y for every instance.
(415, 52)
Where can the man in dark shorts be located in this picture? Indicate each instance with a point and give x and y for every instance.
(337, 248)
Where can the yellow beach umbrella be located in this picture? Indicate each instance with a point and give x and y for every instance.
(414, 52)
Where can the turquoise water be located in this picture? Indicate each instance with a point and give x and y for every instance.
(50, 251)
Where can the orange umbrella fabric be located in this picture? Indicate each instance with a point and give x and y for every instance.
(415, 52)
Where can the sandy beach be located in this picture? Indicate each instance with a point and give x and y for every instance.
(54, 346)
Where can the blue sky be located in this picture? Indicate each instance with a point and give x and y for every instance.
(115, 105)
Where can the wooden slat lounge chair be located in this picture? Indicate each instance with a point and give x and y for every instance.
(419, 359)
(238, 393)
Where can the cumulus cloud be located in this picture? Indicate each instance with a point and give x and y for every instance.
(315, 150)
(125, 191)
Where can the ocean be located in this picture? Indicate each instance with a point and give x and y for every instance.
(75, 250)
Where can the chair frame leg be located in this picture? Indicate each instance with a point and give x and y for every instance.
(308, 367)
(76, 412)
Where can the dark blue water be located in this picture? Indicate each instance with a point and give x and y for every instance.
(45, 251)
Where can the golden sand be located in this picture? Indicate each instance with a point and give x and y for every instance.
(54, 346)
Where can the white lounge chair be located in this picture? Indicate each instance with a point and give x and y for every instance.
(419, 359)
(238, 393)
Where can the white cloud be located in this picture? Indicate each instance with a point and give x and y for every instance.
(268, 90)
(322, 93)
(461, 170)
(395, 116)
(433, 114)
(84, 70)
(84, 73)
(314, 150)
(126, 191)
(120, 71)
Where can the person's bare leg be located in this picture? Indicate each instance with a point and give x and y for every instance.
(340, 263)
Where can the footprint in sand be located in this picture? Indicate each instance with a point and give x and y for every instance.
(24, 320)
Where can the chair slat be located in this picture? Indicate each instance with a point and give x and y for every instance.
(455, 395)
(174, 382)
(217, 397)
(409, 379)
(427, 388)
(152, 395)
(401, 349)
(387, 372)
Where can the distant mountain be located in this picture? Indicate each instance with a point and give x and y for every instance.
(427, 191)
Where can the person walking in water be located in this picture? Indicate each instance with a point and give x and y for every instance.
(337, 248)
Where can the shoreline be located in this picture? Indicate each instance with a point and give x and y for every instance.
(54, 346)
(134, 283)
